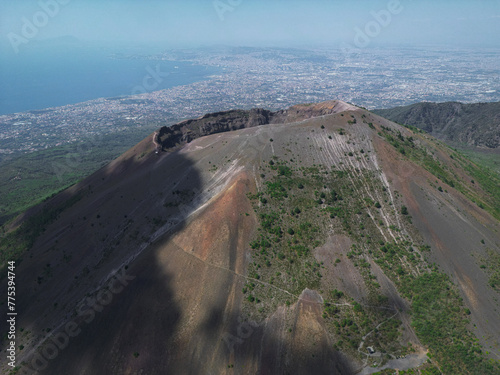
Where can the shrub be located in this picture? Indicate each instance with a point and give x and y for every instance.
(357, 307)
(337, 294)
(276, 189)
(334, 195)
(284, 171)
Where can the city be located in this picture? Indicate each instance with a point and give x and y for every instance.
(270, 78)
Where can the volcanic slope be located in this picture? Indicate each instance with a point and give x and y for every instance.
(324, 240)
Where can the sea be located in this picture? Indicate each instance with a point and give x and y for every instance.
(48, 76)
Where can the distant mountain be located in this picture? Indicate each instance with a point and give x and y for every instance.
(471, 124)
(321, 239)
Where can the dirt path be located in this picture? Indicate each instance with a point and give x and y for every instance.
(401, 364)
(155, 143)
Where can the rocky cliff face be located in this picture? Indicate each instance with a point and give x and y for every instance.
(170, 137)
(186, 131)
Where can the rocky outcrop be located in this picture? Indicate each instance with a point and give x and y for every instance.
(184, 132)
(170, 137)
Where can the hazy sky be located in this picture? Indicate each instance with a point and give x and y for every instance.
(254, 22)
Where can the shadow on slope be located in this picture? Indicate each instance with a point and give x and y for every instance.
(90, 290)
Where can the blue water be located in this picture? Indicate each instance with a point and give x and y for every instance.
(41, 77)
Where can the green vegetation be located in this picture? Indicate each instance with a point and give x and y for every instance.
(489, 181)
(303, 204)
(441, 324)
(493, 269)
(485, 158)
(486, 195)
(28, 179)
(14, 244)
